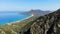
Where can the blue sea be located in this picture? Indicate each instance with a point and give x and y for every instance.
(11, 17)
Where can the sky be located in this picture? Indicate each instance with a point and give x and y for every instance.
(17, 5)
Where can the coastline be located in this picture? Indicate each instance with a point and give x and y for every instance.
(19, 20)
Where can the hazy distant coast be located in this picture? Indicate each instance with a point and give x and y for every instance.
(36, 12)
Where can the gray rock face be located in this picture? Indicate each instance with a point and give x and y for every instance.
(47, 24)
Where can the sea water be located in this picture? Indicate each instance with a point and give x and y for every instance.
(11, 17)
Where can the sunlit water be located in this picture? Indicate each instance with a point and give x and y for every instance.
(11, 17)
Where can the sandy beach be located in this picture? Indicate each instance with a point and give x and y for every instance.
(20, 20)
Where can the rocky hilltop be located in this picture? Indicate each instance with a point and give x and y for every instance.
(47, 24)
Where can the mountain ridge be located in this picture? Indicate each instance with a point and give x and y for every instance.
(36, 12)
(47, 24)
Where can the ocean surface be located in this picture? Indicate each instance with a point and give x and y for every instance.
(11, 17)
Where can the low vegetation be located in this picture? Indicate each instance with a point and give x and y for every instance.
(15, 28)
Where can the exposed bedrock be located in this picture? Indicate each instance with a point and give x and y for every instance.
(47, 24)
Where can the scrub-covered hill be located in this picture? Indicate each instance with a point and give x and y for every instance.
(14, 28)
(47, 24)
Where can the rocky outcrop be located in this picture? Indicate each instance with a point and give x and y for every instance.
(47, 24)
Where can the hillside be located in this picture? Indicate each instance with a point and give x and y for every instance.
(47, 24)
(15, 28)
(36, 12)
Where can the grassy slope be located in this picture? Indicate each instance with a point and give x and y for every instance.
(15, 27)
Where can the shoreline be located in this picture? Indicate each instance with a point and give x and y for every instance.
(20, 20)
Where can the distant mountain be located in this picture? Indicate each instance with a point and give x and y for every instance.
(39, 12)
(36, 12)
